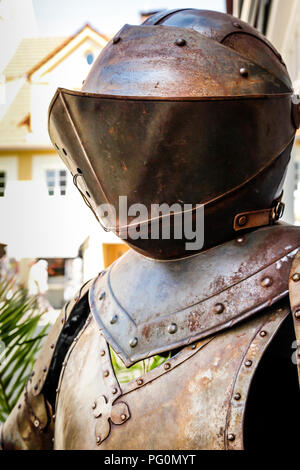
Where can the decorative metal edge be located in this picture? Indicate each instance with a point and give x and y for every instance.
(132, 332)
(233, 436)
(162, 98)
(294, 293)
(164, 368)
(112, 392)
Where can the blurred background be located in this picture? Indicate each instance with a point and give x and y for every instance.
(49, 240)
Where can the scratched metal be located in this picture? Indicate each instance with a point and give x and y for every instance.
(187, 406)
(156, 121)
(201, 295)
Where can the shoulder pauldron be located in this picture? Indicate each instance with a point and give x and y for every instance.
(145, 306)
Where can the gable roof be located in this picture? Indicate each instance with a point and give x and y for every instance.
(30, 52)
(32, 56)
(65, 48)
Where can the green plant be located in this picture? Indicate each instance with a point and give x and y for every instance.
(20, 338)
(126, 374)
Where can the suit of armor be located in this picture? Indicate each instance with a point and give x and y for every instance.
(191, 98)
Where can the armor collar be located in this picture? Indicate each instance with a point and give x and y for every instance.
(145, 307)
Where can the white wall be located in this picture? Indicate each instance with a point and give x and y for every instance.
(10, 166)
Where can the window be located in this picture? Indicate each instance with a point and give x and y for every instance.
(89, 57)
(56, 182)
(2, 183)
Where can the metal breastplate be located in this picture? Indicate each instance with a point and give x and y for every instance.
(197, 399)
(145, 306)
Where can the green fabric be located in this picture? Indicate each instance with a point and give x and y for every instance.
(126, 374)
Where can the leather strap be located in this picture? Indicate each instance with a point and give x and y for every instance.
(294, 291)
(259, 218)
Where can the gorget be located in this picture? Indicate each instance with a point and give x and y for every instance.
(145, 307)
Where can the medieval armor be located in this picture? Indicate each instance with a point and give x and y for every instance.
(191, 107)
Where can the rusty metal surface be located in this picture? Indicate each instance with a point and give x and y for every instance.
(147, 61)
(178, 99)
(187, 405)
(219, 27)
(29, 425)
(104, 141)
(200, 295)
(294, 290)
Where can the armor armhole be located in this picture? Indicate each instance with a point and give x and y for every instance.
(72, 327)
(273, 401)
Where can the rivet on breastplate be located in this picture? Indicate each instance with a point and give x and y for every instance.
(133, 342)
(106, 373)
(172, 328)
(140, 381)
(45, 369)
(102, 295)
(219, 308)
(266, 282)
(240, 240)
(116, 39)
(36, 423)
(114, 391)
(297, 314)
(237, 396)
(123, 417)
(19, 406)
(53, 417)
(244, 73)
(102, 353)
(94, 405)
(194, 346)
(167, 366)
(248, 363)
(98, 440)
(296, 277)
(263, 333)
(52, 346)
(114, 319)
(231, 437)
(36, 387)
(180, 42)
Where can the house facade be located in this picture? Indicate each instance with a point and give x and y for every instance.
(42, 214)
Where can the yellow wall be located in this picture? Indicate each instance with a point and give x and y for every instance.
(112, 251)
(25, 166)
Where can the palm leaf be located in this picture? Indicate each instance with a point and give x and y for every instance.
(21, 336)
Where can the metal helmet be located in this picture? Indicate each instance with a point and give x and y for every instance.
(191, 107)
